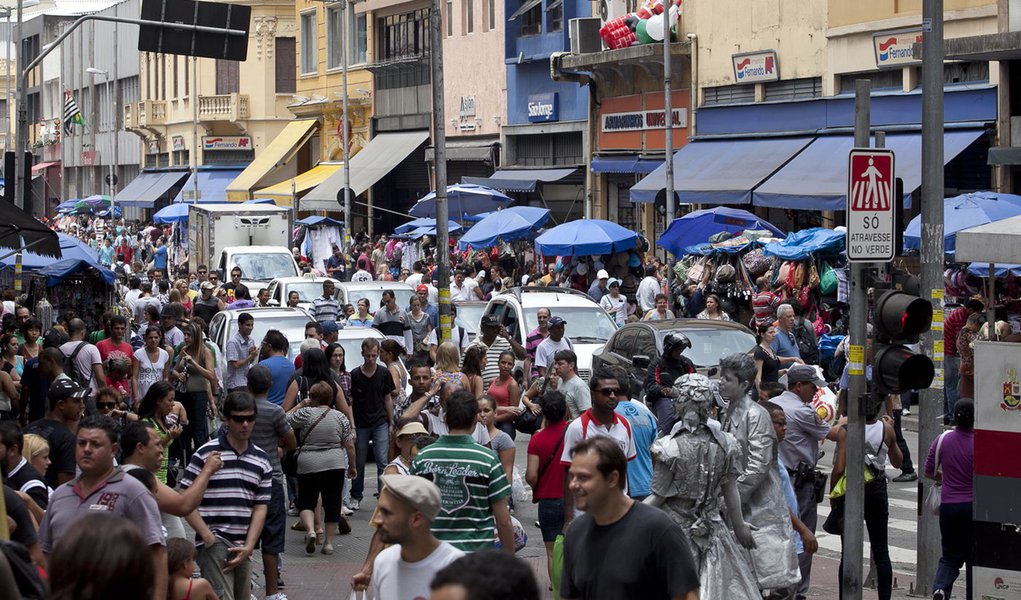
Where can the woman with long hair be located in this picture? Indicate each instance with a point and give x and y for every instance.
(195, 370)
(767, 363)
(36, 450)
(506, 394)
(362, 318)
(151, 364)
(31, 331)
(422, 333)
(335, 355)
(713, 310)
(157, 408)
(500, 442)
(13, 363)
(446, 369)
(390, 353)
(472, 365)
(185, 298)
(544, 473)
(315, 368)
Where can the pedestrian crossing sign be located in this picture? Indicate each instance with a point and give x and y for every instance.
(870, 205)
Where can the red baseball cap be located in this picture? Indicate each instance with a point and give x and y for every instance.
(422, 288)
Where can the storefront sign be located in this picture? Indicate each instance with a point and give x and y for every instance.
(756, 67)
(895, 48)
(154, 145)
(543, 108)
(467, 106)
(641, 120)
(227, 142)
(178, 142)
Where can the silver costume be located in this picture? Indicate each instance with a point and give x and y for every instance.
(694, 469)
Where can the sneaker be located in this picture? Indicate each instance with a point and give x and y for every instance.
(280, 581)
(327, 548)
(939, 595)
(355, 504)
(906, 413)
(292, 511)
(905, 477)
(277, 596)
(346, 511)
(310, 543)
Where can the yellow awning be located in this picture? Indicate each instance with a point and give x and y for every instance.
(281, 193)
(272, 157)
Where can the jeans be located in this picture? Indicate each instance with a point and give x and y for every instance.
(380, 437)
(877, 517)
(196, 433)
(907, 466)
(951, 380)
(955, 529)
(508, 428)
(232, 585)
(809, 514)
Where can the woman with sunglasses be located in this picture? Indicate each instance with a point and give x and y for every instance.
(151, 364)
(363, 318)
(108, 403)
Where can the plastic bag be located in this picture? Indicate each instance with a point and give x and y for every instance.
(519, 490)
(558, 563)
(520, 537)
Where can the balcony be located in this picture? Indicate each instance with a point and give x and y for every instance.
(223, 107)
(151, 112)
(129, 116)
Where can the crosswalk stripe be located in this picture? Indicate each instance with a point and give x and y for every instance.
(892, 523)
(899, 556)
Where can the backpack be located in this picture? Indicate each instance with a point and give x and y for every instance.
(71, 368)
(809, 351)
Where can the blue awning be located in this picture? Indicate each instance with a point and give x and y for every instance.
(519, 180)
(149, 186)
(629, 163)
(212, 186)
(816, 179)
(720, 171)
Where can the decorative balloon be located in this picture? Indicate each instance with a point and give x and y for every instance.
(645, 26)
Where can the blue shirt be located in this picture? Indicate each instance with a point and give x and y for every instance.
(160, 258)
(281, 370)
(434, 314)
(792, 501)
(784, 344)
(643, 430)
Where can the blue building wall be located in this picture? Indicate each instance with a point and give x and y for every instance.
(528, 70)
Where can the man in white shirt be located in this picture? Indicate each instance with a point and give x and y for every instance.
(648, 289)
(464, 288)
(408, 504)
(553, 343)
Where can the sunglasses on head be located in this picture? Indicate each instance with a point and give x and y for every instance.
(242, 418)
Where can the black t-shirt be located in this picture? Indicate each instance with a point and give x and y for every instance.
(235, 292)
(770, 365)
(28, 480)
(61, 442)
(367, 395)
(24, 529)
(205, 309)
(651, 558)
(38, 389)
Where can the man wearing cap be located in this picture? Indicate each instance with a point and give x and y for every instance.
(407, 507)
(326, 307)
(600, 287)
(496, 340)
(430, 309)
(614, 303)
(548, 348)
(67, 403)
(242, 352)
(799, 449)
(172, 335)
(207, 305)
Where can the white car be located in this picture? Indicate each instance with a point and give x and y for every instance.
(588, 325)
(289, 321)
(308, 288)
(351, 339)
(349, 292)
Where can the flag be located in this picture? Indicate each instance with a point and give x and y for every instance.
(72, 114)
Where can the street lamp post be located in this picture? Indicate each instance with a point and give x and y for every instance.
(109, 94)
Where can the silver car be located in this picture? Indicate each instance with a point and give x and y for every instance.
(350, 292)
(289, 321)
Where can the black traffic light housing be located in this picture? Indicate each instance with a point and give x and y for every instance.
(899, 319)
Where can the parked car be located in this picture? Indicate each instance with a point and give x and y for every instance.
(588, 325)
(349, 292)
(351, 339)
(469, 315)
(308, 288)
(635, 345)
(288, 321)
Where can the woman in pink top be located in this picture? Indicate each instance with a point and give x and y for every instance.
(505, 391)
(955, 467)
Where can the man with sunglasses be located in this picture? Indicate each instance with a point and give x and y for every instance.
(233, 511)
(236, 289)
(202, 274)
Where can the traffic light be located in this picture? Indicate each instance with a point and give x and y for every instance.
(899, 319)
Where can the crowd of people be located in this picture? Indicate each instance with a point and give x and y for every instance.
(200, 454)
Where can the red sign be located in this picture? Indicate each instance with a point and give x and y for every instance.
(870, 205)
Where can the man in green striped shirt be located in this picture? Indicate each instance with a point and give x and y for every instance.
(473, 487)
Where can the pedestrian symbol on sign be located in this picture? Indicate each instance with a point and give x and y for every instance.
(871, 201)
(869, 191)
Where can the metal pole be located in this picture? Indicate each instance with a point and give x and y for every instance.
(440, 167)
(854, 517)
(668, 147)
(115, 121)
(22, 129)
(344, 127)
(7, 95)
(194, 129)
(930, 408)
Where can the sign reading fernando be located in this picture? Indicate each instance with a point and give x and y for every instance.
(894, 48)
(756, 67)
(227, 142)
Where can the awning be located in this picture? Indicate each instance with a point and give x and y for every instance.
(272, 157)
(519, 180)
(997, 242)
(816, 179)
(464, 150)
(720, 171)
(282, 191)
(45, 165)
(148, 187)
(1004, 155)
(526, 6)
(376, 159)
(212, 186)
(629, 163)
(553, 4)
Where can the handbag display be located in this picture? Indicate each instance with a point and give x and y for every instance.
(933, 498)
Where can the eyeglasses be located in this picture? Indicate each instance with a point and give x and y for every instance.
(242, 418)
(609, 391)
(105, 405)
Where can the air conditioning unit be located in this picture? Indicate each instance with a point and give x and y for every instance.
(611, 9)
(584, 34)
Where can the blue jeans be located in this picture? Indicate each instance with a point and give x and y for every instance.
(955, 532)
(951, 379)
(380, 436)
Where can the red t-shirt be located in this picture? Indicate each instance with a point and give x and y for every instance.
(108, 349)
(544, 444)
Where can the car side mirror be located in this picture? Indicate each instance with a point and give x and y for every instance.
(274, 302)
(713, 372)
(640, 361)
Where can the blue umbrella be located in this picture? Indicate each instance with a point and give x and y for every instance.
(514, 223)
(59, 271)
(586, 238)
(68, 205)
(70, 248)
(999, 270)
(425, 222)
(475, 218)
(317, 220)
(696, 227)
(963, 212)
(463, 199)
(174, 213)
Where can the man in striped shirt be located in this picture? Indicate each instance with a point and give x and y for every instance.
(326, 307)
(473, 487)
(233, 510)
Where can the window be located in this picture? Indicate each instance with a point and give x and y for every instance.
(309, 50)
(403, 36)
(531, 21)
(284, 56)
(334, 37)
(450, 18)
(960, 72)
(469, 16)
(357, 50)
(794, 89)
(492, 14)
(886, 79)
(555, 15)
(728, 94)
(228, 80)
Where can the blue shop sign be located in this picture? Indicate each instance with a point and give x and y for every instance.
(543, 108)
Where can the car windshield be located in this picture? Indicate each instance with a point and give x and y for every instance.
(585, 325)
(264, 266)
(352, 352)
(469, 316)
(375, 297)
(292, 326)
(307, 290)
(708, 346)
